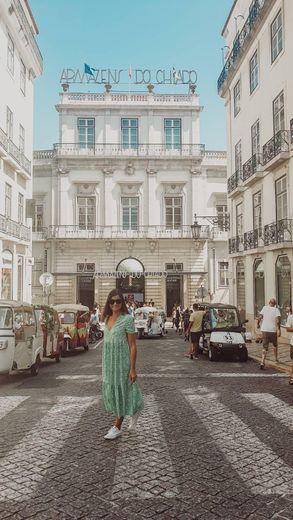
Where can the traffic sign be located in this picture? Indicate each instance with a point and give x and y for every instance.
(46, 279)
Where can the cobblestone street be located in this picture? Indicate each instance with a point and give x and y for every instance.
(214, 441)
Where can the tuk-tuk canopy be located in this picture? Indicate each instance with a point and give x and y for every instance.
(70, 307)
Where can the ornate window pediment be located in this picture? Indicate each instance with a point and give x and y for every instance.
(86, 188)
(130, 189)
(173, 188)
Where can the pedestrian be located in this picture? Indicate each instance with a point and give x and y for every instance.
(289, 328)
(185, 319)
(270, 318)
(177, 319)
(121, 393)
(195, 330)
(173, 316)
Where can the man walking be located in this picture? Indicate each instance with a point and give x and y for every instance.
(270, 319)
(195, 330)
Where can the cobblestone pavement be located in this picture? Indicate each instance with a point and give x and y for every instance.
(214, 441)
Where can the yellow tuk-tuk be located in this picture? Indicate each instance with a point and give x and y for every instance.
(53, 337)
(74, 319)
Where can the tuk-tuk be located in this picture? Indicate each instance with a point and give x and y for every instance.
(148, 322)
(53, 337)
(21, 347)
(74, 319)
(223, 332)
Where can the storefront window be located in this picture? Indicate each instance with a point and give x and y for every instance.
(259, 285)
(240, 285)
(283, 280)
(6, 275)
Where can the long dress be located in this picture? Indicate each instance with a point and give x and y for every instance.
(121, 397)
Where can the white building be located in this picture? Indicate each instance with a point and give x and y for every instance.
(257, 86)
(20, 63)
(118, 193)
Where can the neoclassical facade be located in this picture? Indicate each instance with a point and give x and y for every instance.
(257, 86)
(21, 62)
(116, 197)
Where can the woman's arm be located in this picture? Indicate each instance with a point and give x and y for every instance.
(132, 347)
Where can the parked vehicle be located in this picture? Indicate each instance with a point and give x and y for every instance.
(21, 347)
(223, 332)
(53, 336)
(95, 333)
(148, 322)
(74, 319)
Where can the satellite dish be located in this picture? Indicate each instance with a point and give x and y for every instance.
(46, 279)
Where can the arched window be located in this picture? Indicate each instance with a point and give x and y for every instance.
(283, 281)
(6, 268)
(131, 279)
(259, 285)
(240, 286)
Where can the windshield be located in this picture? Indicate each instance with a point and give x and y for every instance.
(141, 315)
(5, 318)
(223, 318)
(66, 318)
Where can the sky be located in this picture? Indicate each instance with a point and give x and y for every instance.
(146, 34)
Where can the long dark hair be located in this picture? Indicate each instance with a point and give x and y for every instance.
(107, 312)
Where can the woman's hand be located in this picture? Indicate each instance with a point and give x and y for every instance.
(132, 375)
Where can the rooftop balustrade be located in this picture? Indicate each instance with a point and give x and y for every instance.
(139, 150)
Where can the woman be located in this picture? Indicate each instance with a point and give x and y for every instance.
(121, 393)
(289, 328)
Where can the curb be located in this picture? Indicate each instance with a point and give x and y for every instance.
(279, 367)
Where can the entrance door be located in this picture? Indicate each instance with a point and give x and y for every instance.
(173, 291)
(86, 290)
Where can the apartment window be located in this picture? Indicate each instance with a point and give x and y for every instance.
(279, 113)
(130, 209)
(277, 36)
(10, 54)
(253, 72)
(22, 77)
(172, 128)
(9, 123)
(237, 98)
(255, 138)
(257, 212)
(86, 132)
(20, 208)
(239, 219)
(222, 214)
(21, 138)
(238, 158)
(173, 208)
(223, 274)
(8, 200)
(129, 133)
(281, 198)
(86, 211)
(38, 220)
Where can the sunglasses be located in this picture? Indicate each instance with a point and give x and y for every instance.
(118, 301)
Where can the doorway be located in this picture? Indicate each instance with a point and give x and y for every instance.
(86, 290)
(173, 291)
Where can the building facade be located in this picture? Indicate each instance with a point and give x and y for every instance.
(20, 64)
(257, 86)
(116, 197)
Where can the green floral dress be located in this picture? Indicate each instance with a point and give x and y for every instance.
(121, 397)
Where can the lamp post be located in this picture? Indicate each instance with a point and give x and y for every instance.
(195, 228)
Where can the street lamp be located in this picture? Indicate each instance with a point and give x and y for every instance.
(222, 221)
(195, 228)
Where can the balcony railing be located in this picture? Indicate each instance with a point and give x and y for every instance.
(14, 229)
(120, 98)
(250, 167)
(15, 152)
(253, 239)
(291, 130)
(139, 150)
(277, 144)
(276, 232)
(43, 154)
(236, 244)
(255, 14)
(234, 181)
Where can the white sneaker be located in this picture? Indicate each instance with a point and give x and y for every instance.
(112, 433)
(133, 421)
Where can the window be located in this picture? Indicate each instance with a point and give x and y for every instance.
(281, 198)
(86, 210)
(237, 98)
(22, 77)
(8, 200)
(129, 133)
(223, 274)
(130, 207)
(223, 217)
(173, 206)
(253, 72)
(277, 36)
(9, 123)
(20, 208)
(10, 54)
(239, 219)
(255, 139)
(21, 138)
(279, 113)
(172, 129)
(257, 212)
(38, 221)
(283, 278)
(86, 132)
(6, 274)
(238, 158)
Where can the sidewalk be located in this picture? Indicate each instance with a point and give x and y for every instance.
(284, 365)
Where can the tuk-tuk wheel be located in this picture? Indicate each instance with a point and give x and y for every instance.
(36, 367)
(213, 355)
(244, 355)
(86, 347)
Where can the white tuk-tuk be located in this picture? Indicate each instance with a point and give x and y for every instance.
(148, 322)
(21, 343)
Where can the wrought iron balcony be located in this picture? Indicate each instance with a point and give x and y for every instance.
(277, 232)
(120, 150)
(256, 13)
(11, 149)
(236, 244)
(253, 239)
(275, 147)
(234, 181)
(14, 229)
(251, 167)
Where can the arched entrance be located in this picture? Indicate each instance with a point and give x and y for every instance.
(131, 279)
(240, 287)
(283, 280)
